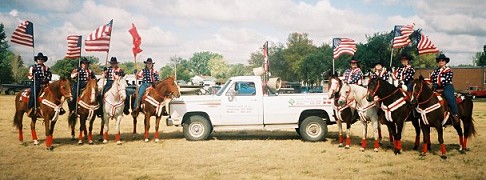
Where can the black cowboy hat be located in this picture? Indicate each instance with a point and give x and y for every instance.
(113, 60)
(40, 56)
(353, 60)
(149, 60)
(406, 56)
(378, 62)
(84, 60)
(442, 56)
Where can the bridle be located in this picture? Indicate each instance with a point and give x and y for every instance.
(420, 93)
(386, 97)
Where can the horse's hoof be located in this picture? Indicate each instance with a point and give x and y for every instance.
(72, 138)
(21, 143)
(361, 149)
(346, 147)
(156, 140)
(36, 142)
(51, 148)
(462, 151)
(146, 140)
(119, 143)
(376, 149)
(80, 142)
(415, 147)
(90, 142)
(340, 145)
(397, 152)
(105, 141)
(443, 157)
(467, 149)
(422, 154)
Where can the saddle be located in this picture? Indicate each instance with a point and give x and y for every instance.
(439, 93)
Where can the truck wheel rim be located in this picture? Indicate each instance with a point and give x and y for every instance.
(313, 130)
(196, 129)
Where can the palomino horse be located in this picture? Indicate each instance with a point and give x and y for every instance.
(366, 110)
(396, 106)
(434, 112)
(50, 104)
(87, 105)
(114, 102)
(343, 113)
(155, 102)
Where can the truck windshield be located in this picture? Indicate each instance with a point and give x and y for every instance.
(223, 88)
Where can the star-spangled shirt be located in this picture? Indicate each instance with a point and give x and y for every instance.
(353, 76)
(383, 74)
(84, 74)
(404, 73)
(442, 76)
(40, 73)
(113, 73)
(148, 75)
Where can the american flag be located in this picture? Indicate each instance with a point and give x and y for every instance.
(24, 34)
(265, 56)
(343, 46)
(401, 35)
(73, 47)
(425, 46)
(99, 39)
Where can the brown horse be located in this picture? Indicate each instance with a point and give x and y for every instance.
(50, 104)
(155, 102)
(87, 105)
(434, 112)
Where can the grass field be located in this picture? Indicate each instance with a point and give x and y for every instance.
(230, 155)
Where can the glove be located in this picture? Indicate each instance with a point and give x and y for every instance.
(434, 86)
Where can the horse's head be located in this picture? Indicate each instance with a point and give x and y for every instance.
(168, 87)
(345, 94)
(418, 86)
(65, 88)
(334, 86)
(92, 88)
(373, 88)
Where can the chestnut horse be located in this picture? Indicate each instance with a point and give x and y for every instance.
(342, 113)
(113, 105)
(155, 102)
(87, 105)
(49, 103)
(395, 103)
(434, 112)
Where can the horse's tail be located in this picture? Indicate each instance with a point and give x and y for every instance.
(72, 119)
(467, 119)
(17, 119)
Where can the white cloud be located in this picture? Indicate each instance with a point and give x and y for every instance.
(14, 13)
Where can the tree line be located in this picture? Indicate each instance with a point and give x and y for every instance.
(298, 59)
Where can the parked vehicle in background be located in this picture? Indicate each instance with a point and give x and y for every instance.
(11, 89)
(475, 91)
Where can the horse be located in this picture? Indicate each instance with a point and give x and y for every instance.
(87, 105)
(434, 112)
(113, 106)
(343, 113)
(49, 103)
(366, 110)
(395, 103)
(155, 102)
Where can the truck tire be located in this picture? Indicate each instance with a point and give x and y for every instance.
(197, 128)
(10, 92)
(313, 129)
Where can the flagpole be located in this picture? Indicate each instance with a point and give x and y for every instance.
(391, 57)
(33, 75)
(79, 65)
(106, 59)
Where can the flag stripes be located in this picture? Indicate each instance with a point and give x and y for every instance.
(425, 46)
(401, 35)
(343, 46)
(99, 39)
(73, 47)
(265, 57)
(24, 34)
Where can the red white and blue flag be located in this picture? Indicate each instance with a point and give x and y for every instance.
(24, 34)
(73, 47)
(401, 35)
(99, 39)
(265, 57)
(425, 46)
(343, 46)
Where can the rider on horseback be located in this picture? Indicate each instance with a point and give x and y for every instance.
(149, 76)
(353, 75)
(111, 73)
(442, 79)
(380, 72)
(40, 75)
(404, 74)
(84, 74)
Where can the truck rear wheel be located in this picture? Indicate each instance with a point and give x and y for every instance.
(10, 92)
(197, 128)
(313, 129)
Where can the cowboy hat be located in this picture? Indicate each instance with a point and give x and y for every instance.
(405, 57)
(353, 60)
(41, 57)
(113, 60)
(442, 56)
(149, 60)
(378, 62)
(84, 61)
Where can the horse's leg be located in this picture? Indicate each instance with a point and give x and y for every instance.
(19, 115)
(134, 115)
(90, 134)
(340, 129)
(363, 135)
(440, 133)
(348, 135)
(102, 127)
(105, 125)
(416, 125)
(147, 126)
(117, 129)
(49, 139)
(426, 139)
(32, 130)
(398, 136)
(82, 127)
(376, 133)
(157, 123)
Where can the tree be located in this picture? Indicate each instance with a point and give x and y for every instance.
(199, 62)
(316, 64)
(480, 58)
(129, 67)
(298, 46)
(218, 68)
(5, 66)
(238, 70)
(64, 67)
(19, 71)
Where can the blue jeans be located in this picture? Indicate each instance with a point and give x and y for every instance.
(451, 99)
(108, 85)
(409, 86)
(34, 94)
(141, 91)
(75, 93)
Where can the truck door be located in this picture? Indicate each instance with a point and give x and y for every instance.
(241, 105)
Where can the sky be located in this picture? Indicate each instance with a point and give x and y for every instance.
(236, 28)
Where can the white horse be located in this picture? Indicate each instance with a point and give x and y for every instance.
(113, 104)
(366, 110)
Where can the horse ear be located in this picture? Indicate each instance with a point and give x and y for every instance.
(421, 77)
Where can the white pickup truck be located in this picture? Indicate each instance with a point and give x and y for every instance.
(238, 105)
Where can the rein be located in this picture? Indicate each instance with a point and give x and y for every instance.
(420, 93)
(54, 105)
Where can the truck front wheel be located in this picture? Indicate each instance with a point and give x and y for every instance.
(313, 129)
(197, 128)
